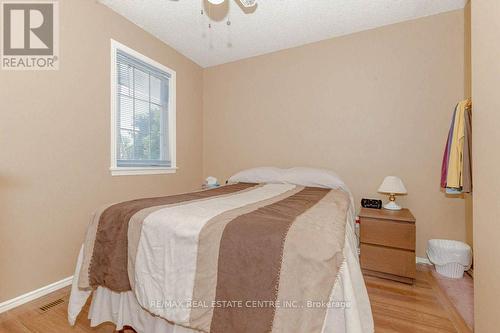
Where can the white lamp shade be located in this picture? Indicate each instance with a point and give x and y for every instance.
(216, 2)
(392, 185)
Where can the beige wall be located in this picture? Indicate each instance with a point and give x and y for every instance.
(486, 118)
(54, 146)
(367, 105)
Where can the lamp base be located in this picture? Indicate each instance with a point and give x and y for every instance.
(392, 205)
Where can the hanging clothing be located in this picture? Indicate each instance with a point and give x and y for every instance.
(467, 154)
(446, 154)
(455, 163)
(456, 170)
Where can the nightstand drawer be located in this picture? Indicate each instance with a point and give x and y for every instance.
(388, 233)
(388, 260)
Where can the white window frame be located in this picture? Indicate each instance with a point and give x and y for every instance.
(123, 171)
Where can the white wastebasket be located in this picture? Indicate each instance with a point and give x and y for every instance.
(451, 258)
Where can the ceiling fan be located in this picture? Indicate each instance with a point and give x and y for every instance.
(245, 3)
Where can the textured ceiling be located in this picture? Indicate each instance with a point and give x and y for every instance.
(269, 26)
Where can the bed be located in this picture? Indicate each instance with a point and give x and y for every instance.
(274, 250)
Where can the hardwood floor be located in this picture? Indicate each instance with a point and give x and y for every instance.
(397, 307)
(421, 307)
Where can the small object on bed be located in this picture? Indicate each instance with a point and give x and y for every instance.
(211, 182)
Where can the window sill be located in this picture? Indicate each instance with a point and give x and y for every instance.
(117, 171)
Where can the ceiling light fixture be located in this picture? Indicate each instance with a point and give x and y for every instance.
(245, 3)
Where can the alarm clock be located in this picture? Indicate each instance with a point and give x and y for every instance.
(371, 203)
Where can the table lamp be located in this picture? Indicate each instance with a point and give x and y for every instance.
(393, 186)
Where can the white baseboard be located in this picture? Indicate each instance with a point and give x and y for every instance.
(421, 260)
(32, 295)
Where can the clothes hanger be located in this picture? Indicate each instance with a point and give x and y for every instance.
(468, 103)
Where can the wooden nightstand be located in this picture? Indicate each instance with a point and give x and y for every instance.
(387, 246)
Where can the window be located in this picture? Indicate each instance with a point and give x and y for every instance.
(142, 114)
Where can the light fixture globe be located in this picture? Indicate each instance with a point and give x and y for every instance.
(216, 2)
(248, 3)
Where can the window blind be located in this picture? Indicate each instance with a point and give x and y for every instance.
(142, 113)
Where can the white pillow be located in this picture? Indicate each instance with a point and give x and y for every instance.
(258, 175)
(313, 177)
(299, 176)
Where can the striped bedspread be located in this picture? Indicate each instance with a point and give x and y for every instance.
(238, 258)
